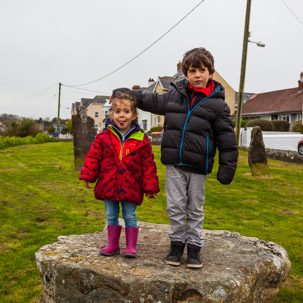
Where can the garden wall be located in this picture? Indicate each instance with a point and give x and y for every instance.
(283, 141)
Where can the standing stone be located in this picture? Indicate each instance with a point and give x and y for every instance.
(257, 155)
(236, 269)
(84, 133)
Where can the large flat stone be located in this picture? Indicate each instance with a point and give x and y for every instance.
(235, 269)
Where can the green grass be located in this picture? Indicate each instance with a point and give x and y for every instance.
(42, 198)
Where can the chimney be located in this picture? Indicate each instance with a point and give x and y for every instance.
(136, 87)
(300, 82)
(179, 66)
(150, 82)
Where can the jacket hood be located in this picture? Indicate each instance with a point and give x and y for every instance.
(134, 127)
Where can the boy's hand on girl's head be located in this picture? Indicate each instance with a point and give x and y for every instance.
(86, 184)
(117, 91)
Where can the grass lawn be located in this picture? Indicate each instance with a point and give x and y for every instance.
(42, 198)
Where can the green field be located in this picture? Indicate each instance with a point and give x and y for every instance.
(42, 198)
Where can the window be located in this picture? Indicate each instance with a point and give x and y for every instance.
(157, 121)
(96, 114)
(284, 117)
(274, 117)
(144, 124)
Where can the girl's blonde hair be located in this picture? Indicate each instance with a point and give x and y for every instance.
(125, 96)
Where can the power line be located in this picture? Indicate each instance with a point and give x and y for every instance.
(89, 90)
(41, 92)
(53, 98)
(142, 52)
(292, 12)
(114, 71)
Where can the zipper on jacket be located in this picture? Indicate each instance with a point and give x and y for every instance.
(121, 152)
(122, 139)
(207, 152)
(216, 90)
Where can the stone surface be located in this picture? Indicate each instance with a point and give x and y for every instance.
(282, 155)
(84, 133)
(235, 269)
(257, 159)
(286, 156)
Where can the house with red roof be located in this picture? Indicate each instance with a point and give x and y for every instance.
(286, 104)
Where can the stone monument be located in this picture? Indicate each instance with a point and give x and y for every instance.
(235, 269)
(84, 133)
(257, 159)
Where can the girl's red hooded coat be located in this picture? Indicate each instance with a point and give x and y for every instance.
(124, 172)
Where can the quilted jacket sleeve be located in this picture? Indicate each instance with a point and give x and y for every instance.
(90, 170)
(152, 102)
(227, 146)
(150, 179)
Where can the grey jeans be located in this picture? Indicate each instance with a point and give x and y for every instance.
(185, 194)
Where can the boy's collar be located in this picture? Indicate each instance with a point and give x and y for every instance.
(207, 90)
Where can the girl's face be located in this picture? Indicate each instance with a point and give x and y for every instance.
(123, 115)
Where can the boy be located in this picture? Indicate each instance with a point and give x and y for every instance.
(197, 121)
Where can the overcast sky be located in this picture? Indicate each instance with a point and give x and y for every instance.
(44, 42)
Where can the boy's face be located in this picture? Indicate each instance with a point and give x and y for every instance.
(123, 115)
(198, 76)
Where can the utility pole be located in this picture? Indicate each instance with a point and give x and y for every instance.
(243, 69)
(58, 120)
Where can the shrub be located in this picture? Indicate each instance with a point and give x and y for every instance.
(69, 126)
(51, 130)
(281, 125)
(64, 131)
(297, 127)
(156, 129)
(243, 123)
(264, 124)
(25, 127)
(14, 141)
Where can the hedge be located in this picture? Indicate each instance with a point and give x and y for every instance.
(264, 124)
(14, 141)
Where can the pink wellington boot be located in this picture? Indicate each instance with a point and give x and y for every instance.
(131, 234)
(113, 236)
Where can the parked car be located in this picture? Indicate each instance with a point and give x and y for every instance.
(300, 147)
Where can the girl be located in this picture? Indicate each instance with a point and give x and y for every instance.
(122, 162)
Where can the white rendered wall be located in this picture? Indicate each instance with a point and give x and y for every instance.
(273, 140)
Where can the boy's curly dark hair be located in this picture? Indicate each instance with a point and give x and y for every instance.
(197, 57)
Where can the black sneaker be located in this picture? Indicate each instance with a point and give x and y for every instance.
(175, 253)
(193, 256)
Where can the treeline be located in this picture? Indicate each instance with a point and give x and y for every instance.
(12, 125)
(19, 131)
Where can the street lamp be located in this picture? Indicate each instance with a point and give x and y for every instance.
(243, 68)
(261, 44)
